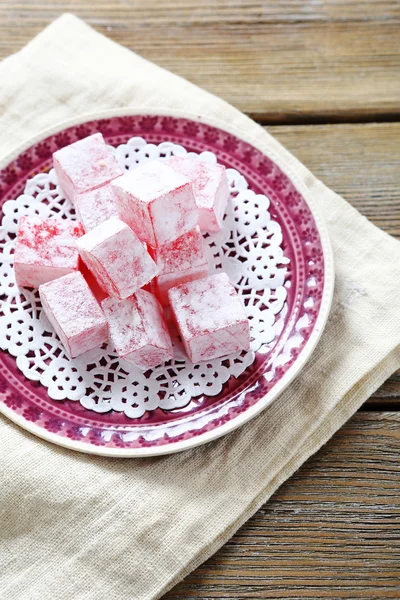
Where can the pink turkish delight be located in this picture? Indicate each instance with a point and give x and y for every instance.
(117, 258)
(74, 313)
(96, 206)
(210, 318)
(210, 189)
(92, 282)
(85, 165)
(138, 329)
(157, 202)
(45, 249)
(151, 286)
(180, 261)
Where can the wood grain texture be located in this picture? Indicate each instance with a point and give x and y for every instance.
(332, 531)
(288, 61)
(388, 394)
(362, 163)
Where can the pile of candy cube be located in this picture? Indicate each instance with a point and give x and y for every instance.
(136, 248)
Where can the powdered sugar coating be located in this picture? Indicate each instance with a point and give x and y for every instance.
(45, 249)
(96, 206)
(183, 253)
(74, 313)
(173, 214)
(85, 165)
(210, 189)
(157, 202)
(210, 318)
(117, 258)
(170, 280)
(138, 329)
(180, 261)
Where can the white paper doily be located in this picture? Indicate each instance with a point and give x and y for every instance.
(248, 249)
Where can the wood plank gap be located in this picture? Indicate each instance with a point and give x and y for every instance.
(324, 118)
(372, 406)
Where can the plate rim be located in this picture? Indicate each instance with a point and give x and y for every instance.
(292, 372)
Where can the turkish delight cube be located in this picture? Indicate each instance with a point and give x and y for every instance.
(156, 202)
(74, 313)
(210, 318)
(138, 329)
(117, 258)
(85, 165)
(180, 261)
(210, 189)
(45, 249)
(95, 206)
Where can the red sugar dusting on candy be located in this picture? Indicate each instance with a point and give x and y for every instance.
(96, 206)
(210, 189)
(45, 249)
(74, 313)
(210, 318)
(156, 202)
(85, 165)
(180, 261)
(138, 329)
(117, 258)
(183, 253)
(38, 234)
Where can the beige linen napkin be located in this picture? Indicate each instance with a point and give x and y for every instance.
(79, 527)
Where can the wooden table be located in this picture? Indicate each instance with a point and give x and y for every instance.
(324, 76)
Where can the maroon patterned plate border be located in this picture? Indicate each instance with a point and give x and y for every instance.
(305, 241)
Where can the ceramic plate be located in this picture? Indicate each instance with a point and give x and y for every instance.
(247, 388)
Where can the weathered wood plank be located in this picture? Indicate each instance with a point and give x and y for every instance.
(288, 61)
(181, 12)
(388, 393)
(362, 163)
(331, 531)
